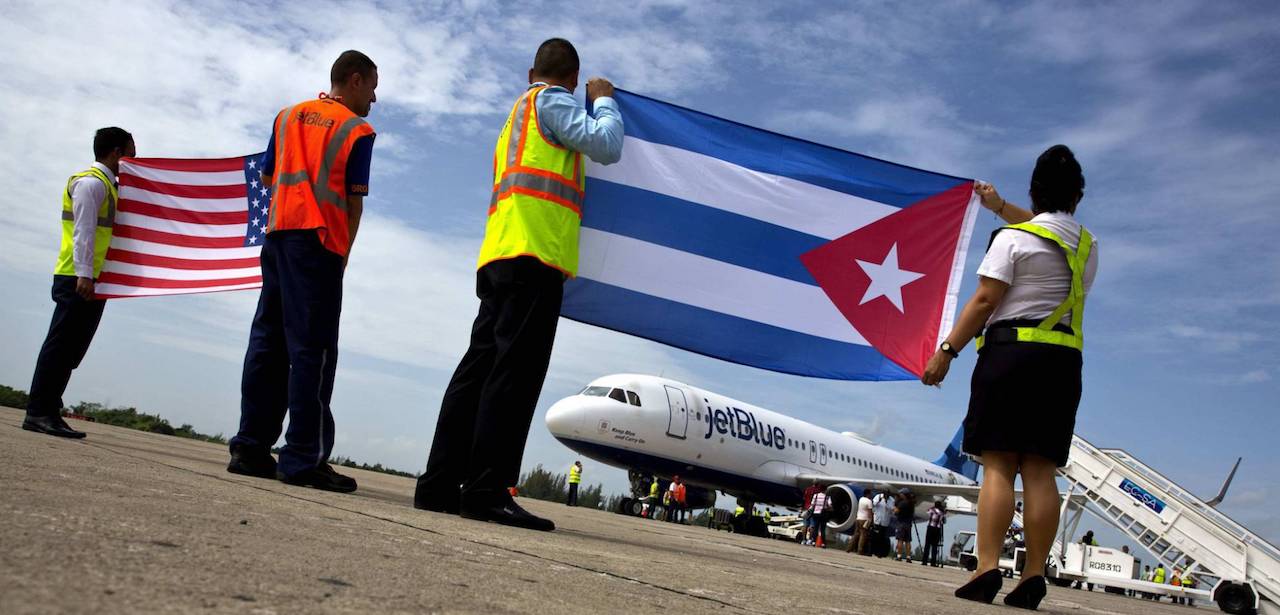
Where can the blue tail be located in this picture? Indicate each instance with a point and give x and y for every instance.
(955, 460)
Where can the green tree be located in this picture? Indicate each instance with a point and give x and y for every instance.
(540, 484)
(13, 398)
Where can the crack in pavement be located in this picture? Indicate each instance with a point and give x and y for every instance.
(474, 541)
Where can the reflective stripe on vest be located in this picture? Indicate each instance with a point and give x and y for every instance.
(1044, 333)
(575, 475)
(102, 233)
(314, 139)
(535, 208)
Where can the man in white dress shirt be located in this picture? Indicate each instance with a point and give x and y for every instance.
(88, 214)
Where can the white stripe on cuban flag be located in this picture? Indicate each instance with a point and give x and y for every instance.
(696, 237)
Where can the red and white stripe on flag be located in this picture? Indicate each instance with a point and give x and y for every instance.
(185, 226)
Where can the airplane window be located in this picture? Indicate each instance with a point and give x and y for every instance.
(699, 413)
(633, 398)
(618, 395)
(595, 391)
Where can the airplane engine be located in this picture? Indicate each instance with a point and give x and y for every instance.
(699, 497)
(843, 503)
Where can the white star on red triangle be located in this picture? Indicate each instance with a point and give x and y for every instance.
(887, 279)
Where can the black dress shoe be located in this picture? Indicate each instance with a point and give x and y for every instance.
(52, 425)
(436, 503)
(1028, 593)
(983, 588)
(252, 461)
(323, 478)
(506, 512)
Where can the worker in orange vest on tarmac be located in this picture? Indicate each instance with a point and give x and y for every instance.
(317, 170)
(530, 247)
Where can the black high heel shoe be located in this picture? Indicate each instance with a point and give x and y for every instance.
(1028, 593)
(983, 588)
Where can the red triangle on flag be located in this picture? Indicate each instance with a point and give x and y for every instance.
(896, 306)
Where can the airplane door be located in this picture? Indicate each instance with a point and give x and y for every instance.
(678, 423)
(822, 454)
(813, 452)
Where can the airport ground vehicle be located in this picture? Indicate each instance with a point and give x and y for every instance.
(1012, 557)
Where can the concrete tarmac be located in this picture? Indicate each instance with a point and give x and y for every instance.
(133, 522)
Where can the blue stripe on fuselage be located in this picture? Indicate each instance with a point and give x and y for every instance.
(761, 490)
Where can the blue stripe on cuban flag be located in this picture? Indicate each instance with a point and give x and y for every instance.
(695, 238)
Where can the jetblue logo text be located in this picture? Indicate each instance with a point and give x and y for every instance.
(743, 425)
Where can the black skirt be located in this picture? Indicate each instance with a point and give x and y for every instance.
(1023, 399)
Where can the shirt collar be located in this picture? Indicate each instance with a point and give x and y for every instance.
(102, 167)
(536, 84)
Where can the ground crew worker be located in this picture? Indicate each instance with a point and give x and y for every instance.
(677, 493)
(768, 516)
(317, 167)
(530, 247)
(575, 477)
(88, 214)
(651, 503)
(1157, 576)
(1188, 583)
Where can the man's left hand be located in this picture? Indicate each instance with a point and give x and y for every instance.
(936, 371)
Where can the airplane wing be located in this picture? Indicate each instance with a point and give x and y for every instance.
(924, 490)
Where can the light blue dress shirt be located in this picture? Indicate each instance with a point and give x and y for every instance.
(564, 119)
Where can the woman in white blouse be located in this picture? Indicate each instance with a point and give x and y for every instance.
(1027, 315)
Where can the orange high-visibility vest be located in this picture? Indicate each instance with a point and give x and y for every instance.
(538, 187)
(313, 141)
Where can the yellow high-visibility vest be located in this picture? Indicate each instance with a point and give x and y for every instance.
(538, 187)
(653, 489)
(1158, 577)
(101, 237)
(1044, 333)
(575, 474)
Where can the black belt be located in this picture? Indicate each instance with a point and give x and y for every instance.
(1003, 332)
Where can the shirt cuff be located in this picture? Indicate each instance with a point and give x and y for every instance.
(604, 101)
(84, 270)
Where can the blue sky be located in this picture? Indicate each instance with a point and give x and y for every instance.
(1165, 105)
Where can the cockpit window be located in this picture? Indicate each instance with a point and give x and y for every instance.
(633, 398)
(618, 395)
(595, 391)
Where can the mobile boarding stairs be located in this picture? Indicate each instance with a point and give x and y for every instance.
(1176, 527)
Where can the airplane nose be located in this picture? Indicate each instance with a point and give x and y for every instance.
(564, 418)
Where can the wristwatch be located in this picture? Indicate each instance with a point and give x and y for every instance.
(949, 349)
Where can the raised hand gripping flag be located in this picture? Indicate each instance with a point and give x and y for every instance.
(186, 226)
(767, 250)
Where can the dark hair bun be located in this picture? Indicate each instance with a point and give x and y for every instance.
(1057, 181)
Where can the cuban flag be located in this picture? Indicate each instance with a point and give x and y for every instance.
(769, 251)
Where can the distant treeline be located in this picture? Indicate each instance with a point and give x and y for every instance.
(540, 484)
(130, 418)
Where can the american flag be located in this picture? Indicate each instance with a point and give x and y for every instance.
(186, 226)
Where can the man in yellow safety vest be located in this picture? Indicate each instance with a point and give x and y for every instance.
(575, 478)
(530, 247)
(88, 215)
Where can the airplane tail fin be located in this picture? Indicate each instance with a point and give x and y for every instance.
(955, 460)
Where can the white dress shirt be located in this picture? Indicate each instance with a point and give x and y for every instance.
(86, 197)
(567, 122)
(1036, 269)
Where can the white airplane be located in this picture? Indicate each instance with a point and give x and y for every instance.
(656, 426)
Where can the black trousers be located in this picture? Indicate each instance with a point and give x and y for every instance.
(75, 320)
(933, 546)
(489, 404)
(293, 351)
(573, 494)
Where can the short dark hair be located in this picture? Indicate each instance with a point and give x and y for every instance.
(351, 61)
(106, 140)
(556, 58)
(1057, 183)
